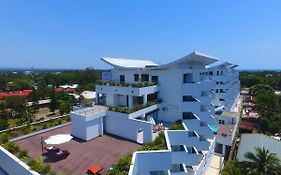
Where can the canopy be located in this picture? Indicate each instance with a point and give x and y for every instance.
(58, 139)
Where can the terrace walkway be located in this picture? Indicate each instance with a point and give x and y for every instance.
(102, 151)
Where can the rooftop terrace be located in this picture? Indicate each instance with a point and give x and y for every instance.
(102, 151)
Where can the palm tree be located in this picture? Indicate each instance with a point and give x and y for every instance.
(231, 168)
(262, 162)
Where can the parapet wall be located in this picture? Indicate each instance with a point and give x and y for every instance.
(12, 165)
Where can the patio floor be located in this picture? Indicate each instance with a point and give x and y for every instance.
(102, 151)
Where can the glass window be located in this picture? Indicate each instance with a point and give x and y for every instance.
(187, 78)
(188, 98)
(188, 115)
(144, 77)
(154, 79)
(136, 77)
(122, 78)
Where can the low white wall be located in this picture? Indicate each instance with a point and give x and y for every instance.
(143, 111)
(119, 124)
(205, 162)
(146, 161)
(12, 165)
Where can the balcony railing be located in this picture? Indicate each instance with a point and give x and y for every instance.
(126, 110)
(122, 84)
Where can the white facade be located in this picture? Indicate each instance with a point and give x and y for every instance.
(87, 123)
(140, 94)
(12, 165)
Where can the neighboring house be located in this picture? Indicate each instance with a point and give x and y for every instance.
(23, 93)
(68, 90)
(249, 142)
(140, 95)
(88, 95)
(66, 86)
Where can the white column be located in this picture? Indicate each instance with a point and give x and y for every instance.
(101, 125)
(144, 98)
(130, 101)
(223, 150)
(97, 98)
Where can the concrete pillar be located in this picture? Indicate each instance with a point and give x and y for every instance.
(130, 102)
(144, 98)
(97, 98)
(223, 150)
(101, 125)
(110, 99)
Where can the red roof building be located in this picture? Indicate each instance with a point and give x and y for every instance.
(247, 125)
(69, 90)
(250, 99)
(23, 93)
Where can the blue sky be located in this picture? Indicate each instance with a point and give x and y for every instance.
(75, 34)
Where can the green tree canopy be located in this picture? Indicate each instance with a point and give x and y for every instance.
(231, 168)
(262, 162)
(260, 89)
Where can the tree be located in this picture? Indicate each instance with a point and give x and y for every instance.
(64, 107)
(3, 124)
(231, 168)
(121, 166)
(54, 101)
(250, 80)
(260, 89)
(20, 83)
(262, 162)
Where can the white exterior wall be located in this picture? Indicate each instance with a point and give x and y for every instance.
(120, 124)
(87, 127)
(145, 161)
(231, 86)
(12, 165)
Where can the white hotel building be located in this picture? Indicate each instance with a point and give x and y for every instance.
(137, 95)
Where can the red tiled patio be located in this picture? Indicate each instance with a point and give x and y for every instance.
(102, 151)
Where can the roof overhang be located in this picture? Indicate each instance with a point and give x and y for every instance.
(222, 64)
(193, 58)
(128, 63)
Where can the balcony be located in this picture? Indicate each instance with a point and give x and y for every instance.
(135, 89)
(126, 110)
(189, 157)
(195, 88)
(123, 84)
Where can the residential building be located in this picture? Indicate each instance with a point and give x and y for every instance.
(141, 95)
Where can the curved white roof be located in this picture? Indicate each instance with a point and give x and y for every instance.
(194, 57)
(128, 63)
(222, 64)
